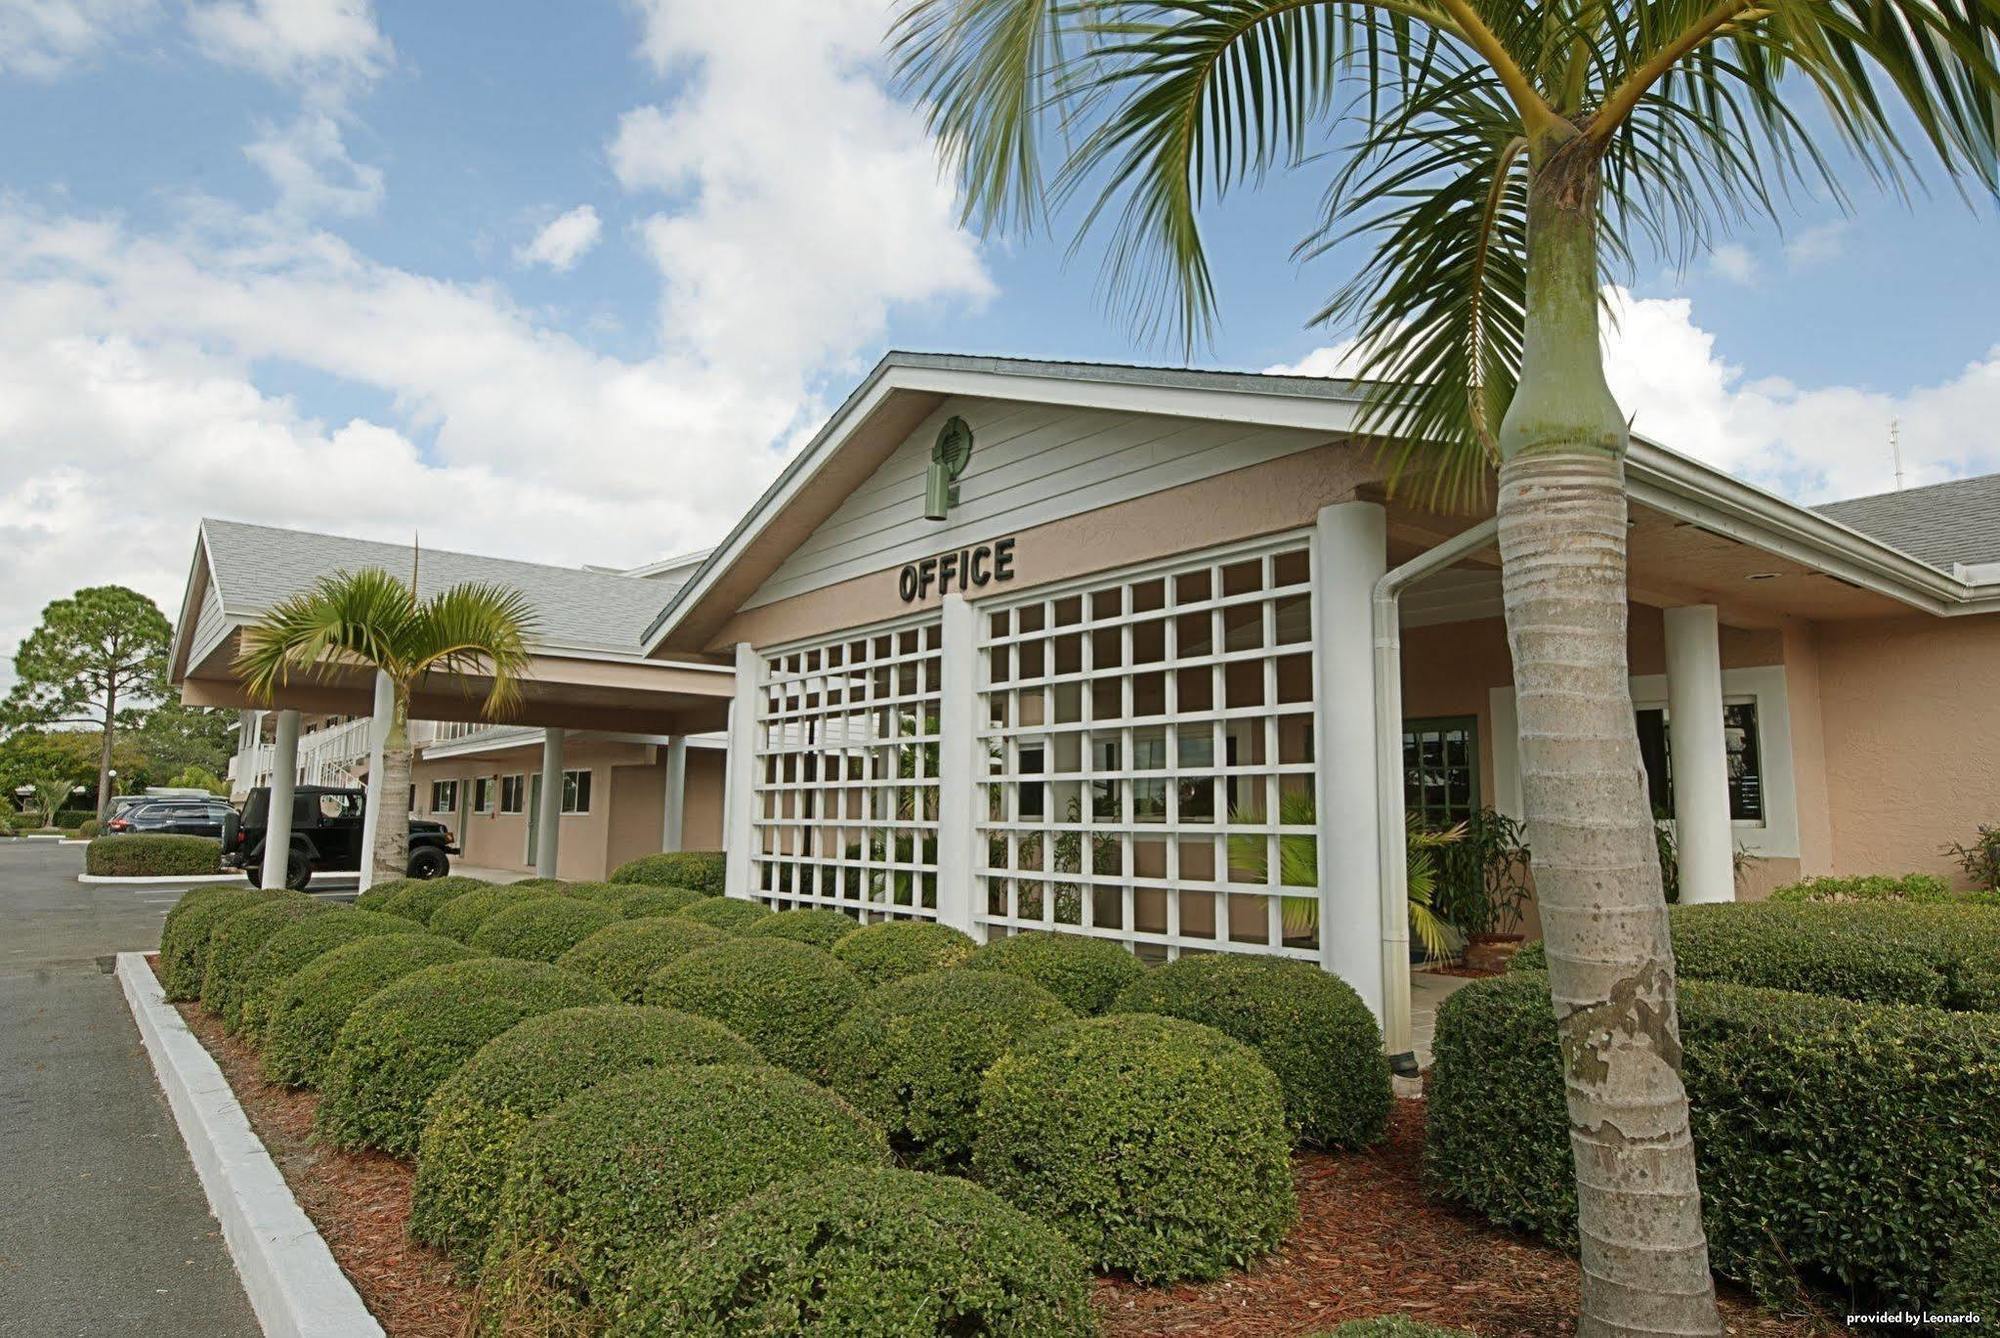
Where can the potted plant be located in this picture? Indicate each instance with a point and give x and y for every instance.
(1483, 887)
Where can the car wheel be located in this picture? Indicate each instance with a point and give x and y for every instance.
(428, 862)
(298, 871)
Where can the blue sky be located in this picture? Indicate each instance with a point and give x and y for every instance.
(568, 281)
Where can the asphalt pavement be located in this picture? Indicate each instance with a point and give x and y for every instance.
(104, 1229)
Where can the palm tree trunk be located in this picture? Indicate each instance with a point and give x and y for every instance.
(1562, 532)
(391, 856)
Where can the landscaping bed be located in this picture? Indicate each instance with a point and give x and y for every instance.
(1367, 1241)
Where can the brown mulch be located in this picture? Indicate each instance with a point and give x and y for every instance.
(358, 1200)
(1368, 1243)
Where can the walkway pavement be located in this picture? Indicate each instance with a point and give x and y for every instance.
(103, 1227)
(1428, 989)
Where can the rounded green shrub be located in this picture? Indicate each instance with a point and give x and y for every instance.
(638, 1158)
(702, 870)
(376, 897)
(191, 898)
(912, 1055)
(642, 903)
(608, 893)
(540, 929)
(461, 917)
(784, 998)
(624, 954)
(731, 913)
(306, 1012)
(419, 898)
(237, 939)
(1158, 1146)
(893, 949)
(818, 927)
(471, 1122)
(152, 855)
(184, 937)
(1309, 1027)
(1972, 1276)
(291, 948)
(402, 1043)
(538, 884)
(866, 1251)
(1085, 973)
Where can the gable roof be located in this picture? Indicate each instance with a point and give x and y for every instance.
(255, 566)
(1944, 524)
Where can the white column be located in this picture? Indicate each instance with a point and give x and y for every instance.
(740, 791)
(378, 738)
(1350, 553)
(1700, 760)
(548, 819)
(674, 805)
(278, 822)
(958, 833)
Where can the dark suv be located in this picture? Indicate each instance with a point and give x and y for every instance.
(183, 817)
(326, 837)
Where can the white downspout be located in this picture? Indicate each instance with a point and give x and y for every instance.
(1390, 815)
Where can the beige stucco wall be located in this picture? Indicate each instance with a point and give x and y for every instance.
(1910, 712)
(628, 784)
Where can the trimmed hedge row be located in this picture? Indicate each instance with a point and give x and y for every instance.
(307, 1012)
(1158, 1146)
(540, 929)
(401, 1043)
(471, 1121)
(1918, 887)
(1310, 1028)
(239, 938)
(614, 1170)
(784, 998)
(914, 1052)
(1936, 956)
(863, 1250)
(701, 870)
(625, 954)
(1085, 973)
(296, 946)
(152, 855)
(1848, 1144)
(817, 927)
(880, 953)
(185, 935)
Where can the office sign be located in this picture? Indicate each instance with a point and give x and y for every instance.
(964, 570)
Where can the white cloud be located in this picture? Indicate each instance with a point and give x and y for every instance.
(309, 164)
(566, 240)
(1810, 443)
(329, 48)
(1734, 262)
(806, 202)
(39, 39)
(1817, 244)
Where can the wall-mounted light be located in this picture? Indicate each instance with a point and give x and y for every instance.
(949, 455)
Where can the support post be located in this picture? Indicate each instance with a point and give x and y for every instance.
(1700, 758)
(548, 817)
(674, 806)
(378, 738)
(278, 821)
(1350, 552)
(958, 697)
(740, 792)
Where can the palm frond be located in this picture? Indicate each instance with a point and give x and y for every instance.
(472, 629)
(346, 620)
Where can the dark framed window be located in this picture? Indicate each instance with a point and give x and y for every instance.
(1441, 768)
(444, 796)
(482, 795)
(1742, 749)
(576, 792)
(511, 788)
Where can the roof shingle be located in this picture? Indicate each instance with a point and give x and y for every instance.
(1941, 523)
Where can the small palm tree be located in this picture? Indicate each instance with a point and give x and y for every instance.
(1498, 154)
(370, 619)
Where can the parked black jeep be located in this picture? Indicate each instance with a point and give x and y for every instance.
(326, 837)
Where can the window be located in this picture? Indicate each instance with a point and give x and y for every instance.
(335, 806)
(413, 799)
(482, 795)
(576, 792)
(444, 796)
(1441, 769)
(845, 807)
(1742, 750)
(1148, 746)
(511, 789)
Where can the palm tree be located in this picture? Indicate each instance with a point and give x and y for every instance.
(370, 619)
(1502, 152)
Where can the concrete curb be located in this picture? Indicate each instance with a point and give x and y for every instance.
(163, 879)
(288, 1273)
